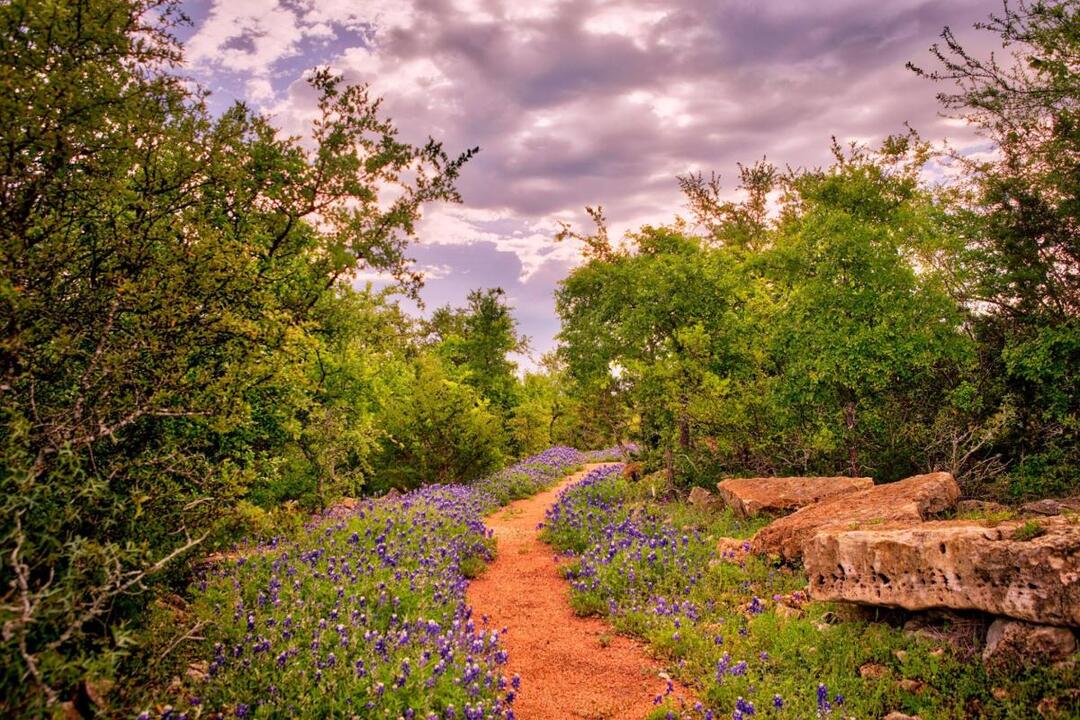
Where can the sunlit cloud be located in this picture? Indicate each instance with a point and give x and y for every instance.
(585, 102)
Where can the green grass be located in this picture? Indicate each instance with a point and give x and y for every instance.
(1029, 531)
(803, 649)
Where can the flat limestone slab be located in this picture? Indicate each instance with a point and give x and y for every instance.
(1013, 569)
(907, 501)
(752, 496)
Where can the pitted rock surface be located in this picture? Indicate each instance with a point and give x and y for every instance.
(958, 564)
(775, 495)
(906, 501)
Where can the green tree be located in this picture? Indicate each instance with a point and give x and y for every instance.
(1022, 211)
(438, 429)
(478, 340)
(157, 272)
(547, 414)
(861, 328)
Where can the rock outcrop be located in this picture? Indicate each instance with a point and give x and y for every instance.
(1024, 570)
(1051, 506)
(1014, 643)
(907, 501)
(752, 496)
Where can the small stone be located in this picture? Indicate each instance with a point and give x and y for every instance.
(999, 693)
(1012, 643)
(1047, 707)
(900, 655)
(98, 689)
(702, 498)
(912, 686)
(1052, 506)
(786, 611)
(732, 549)
(198, 670)
(894, 715)
(873, 671)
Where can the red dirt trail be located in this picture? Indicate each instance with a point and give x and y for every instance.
(566, 671)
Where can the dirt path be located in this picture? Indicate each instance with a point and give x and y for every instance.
(570, 667)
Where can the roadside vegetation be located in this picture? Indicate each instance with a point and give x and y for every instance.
(191, 369)
(899, 310)
(742, 631)
(361, 612)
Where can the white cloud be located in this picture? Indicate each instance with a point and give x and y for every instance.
(245, 36)
(625, 21)
(585, 102)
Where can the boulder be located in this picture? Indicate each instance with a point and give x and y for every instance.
(1010, 569)
(1051, 506)
(1014, 643)
(910, 500)
(700, 497)
(775, 495)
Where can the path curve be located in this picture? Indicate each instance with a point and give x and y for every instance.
(570, 667)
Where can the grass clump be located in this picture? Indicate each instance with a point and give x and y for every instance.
(742, 631)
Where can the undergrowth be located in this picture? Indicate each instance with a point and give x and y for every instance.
(741, 631)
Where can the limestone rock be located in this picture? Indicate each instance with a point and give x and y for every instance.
(1013, 643)
(910, 500)
(953, 564)
(753, 496)
(909, 685)
(1052, 506)
(786, 611)
(700, 497)
(873, 671)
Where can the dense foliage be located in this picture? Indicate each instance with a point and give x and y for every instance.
(185, 357)
(360, 613)
(743, 633)
(862, 318)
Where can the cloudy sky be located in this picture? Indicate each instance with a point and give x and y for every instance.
(576, 102)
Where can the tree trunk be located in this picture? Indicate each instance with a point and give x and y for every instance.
(853, 453)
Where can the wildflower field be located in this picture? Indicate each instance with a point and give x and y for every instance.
(741, 631)
(362, 614)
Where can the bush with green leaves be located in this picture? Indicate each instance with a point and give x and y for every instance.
(160, 282)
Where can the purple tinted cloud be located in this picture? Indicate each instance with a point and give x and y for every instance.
(584, 102)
